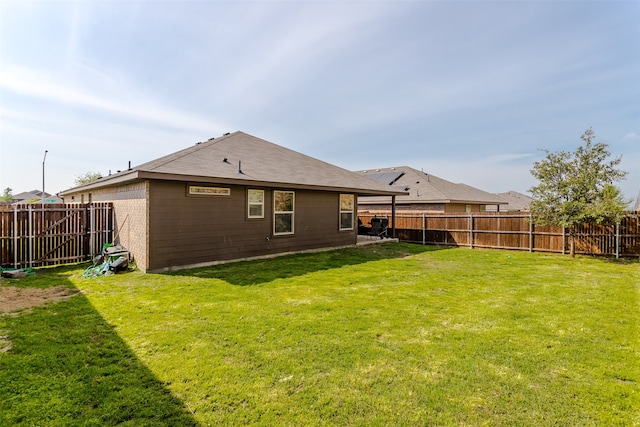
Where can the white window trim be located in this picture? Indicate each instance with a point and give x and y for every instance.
(249, 204)
(293, 222)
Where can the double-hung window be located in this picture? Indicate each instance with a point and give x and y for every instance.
(283, 212)
(255, 200)
(346, 211)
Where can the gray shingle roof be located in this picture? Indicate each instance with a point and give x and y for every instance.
(240, 158)
(425, 188)
(515, 201)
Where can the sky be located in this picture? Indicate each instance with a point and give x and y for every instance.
(470, 91)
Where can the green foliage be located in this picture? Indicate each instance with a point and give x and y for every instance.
(391, 334)
(576, 187)
(87, 178)
(7, 195)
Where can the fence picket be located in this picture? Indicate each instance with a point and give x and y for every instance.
(513, 231)
(34, 235)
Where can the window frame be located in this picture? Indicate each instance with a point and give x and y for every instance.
(251, 203)
(343, 211)
(283, 213)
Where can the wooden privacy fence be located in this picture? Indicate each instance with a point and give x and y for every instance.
(513, 231)
(33, 236)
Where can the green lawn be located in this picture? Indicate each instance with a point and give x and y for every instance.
(391, 334)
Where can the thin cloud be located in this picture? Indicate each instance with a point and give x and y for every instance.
(35, 84)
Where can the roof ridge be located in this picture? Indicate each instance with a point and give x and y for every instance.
(185, 151)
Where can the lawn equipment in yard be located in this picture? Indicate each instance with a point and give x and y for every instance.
(15, 273)
(112, 260)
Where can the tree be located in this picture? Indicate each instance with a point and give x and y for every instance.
(87, 178)
(7, 195)
(577, 187)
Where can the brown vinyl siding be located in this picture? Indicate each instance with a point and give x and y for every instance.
(185, 230)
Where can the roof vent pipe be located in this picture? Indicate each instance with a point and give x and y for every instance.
(239, 166)
(129, 164)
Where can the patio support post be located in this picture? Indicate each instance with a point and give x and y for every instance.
(393, 216)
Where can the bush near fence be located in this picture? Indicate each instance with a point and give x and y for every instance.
(506, 230)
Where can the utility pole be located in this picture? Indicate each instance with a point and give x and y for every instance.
(45, 158)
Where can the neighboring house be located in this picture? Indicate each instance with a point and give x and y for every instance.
(427, 193)
(233, 197)
(34, 196)
(516, 202)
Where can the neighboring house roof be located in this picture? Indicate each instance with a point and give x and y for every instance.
(34, 196)
(515, 201)
(425, 188)
(240, 158)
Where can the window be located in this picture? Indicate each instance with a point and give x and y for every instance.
(255, 207)
(346, 211)
(283, 205)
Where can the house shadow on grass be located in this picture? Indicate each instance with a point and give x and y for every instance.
(67, 366)
(255, 272)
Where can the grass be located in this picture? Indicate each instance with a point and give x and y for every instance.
(392, 334)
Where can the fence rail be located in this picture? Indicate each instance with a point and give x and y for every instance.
(513, 231)
(34, 236)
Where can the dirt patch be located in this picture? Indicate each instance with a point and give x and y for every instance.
(14, 299)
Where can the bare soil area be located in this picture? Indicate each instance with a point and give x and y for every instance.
(14, 299)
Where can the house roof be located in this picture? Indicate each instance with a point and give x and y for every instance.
(34, 195)
(425, 188)
(515, 201)
(240, 158)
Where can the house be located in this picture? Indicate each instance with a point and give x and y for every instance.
(426, 193)
(34, 196)
(516, 202)
(229, 198)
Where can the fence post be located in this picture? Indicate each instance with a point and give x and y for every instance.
(31, 236)
(106, 225)
(530, 232)
(471, 230)
(617, 239)
(563, 241)
(424, 231)
(15, 236)
(92, 242)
